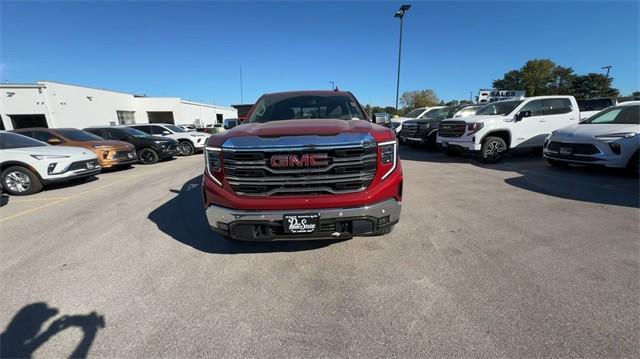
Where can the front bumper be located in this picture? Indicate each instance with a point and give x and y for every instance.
(454, 142)
(603, 158)
(335, 223)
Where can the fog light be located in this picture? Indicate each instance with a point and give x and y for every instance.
(51, 167)
(615, 147)
(382, 221)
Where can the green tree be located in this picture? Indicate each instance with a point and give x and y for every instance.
(512, 80)
(593, 85)
(538, 77)
(419, 98)
(635, 94)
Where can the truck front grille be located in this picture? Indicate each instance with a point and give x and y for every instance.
(452, 128)
(345, 170)
(409, 130)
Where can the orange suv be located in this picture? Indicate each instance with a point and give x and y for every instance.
(110, 153)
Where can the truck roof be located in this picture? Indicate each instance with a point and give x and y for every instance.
(308, 92)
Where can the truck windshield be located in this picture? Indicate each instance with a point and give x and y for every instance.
(415, 113)
(78, 135)
(499, 108)
(13, 140)
(627, 115)
(441, 113)
(294, 107)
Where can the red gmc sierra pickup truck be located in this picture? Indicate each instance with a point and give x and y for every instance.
(303, 165)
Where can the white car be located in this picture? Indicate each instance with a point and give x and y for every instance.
(609, 138)
(188, 141)
(504, 125)
(26, 165)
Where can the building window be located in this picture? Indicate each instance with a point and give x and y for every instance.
(126, 117)
(219, 118)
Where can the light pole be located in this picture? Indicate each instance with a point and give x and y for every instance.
(604, 86)
(400, 14)
(333, 85)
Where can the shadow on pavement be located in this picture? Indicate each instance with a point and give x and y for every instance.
(23, 335)
(183, 218)
(4, 200)
(580, 183)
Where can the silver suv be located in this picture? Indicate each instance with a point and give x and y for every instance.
(610, 138)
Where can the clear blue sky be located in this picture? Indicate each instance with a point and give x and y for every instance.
(194, 49)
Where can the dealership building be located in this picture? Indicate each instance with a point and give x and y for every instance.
(54, 105)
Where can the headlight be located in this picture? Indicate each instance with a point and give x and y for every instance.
(615, 136)
(213, 163)
(100, 146)
(48, 157)
(474, 127)
(388, 157)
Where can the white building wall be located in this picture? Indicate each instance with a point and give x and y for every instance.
(67, 105)
(22, 101)
(157, 104)
(80, 107)
(207, 114)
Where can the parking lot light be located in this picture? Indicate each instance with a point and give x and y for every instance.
(400, 14)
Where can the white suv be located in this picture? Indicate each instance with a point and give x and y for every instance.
(505, 125)
(188, 141)
(26, 165)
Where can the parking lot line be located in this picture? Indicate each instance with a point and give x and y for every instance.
(64, 199)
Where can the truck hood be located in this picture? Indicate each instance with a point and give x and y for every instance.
(480, 118)
(316, 127)
(588, 131)
(401, 119)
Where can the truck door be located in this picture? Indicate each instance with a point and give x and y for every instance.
(558, 113)
(530, 131)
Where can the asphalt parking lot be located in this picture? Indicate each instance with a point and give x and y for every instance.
(509, 260)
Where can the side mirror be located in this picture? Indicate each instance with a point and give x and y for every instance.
(166, 132)
(522, 114)
(54, 141)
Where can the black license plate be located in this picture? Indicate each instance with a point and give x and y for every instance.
(301, 223)
(566, 150)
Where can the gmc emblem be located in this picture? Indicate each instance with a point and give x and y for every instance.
(306, 160)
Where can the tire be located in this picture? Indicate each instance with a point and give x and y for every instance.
(493, 149)
(148, 156)
(186, 148)
(556, 163)
(382, 231)
(20, 181)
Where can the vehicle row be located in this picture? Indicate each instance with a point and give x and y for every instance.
(31, 158)
(610, 137)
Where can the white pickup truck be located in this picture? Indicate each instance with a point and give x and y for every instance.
(501, 126)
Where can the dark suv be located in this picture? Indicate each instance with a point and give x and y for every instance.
(423, 131)
(150, 149)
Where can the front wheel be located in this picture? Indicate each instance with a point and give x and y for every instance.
(186, 148)
(20, 181)
(493, 150)
(148, 156)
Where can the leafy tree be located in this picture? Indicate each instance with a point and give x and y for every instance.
(419, 98)
(563, 80)
(593, 85)
(635, 94)
(512, 80)
(453, 103)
